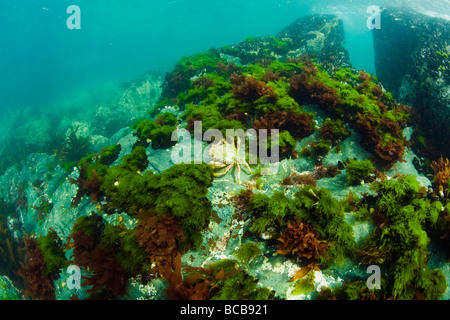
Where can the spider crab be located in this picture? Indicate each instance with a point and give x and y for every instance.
(226, 154)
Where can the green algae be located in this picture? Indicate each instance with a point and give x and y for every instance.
(159, 132)
(129, 255)
(304, 285)
(109, 154)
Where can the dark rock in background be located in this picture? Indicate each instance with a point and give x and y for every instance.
(412, 61)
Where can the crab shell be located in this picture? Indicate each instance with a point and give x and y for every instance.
(223, 153)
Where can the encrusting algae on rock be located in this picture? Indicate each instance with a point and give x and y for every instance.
(134, 224)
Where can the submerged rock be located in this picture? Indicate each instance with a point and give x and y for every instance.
(322, 35)
(412, 61)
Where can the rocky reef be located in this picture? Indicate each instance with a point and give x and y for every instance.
(343, 196)
(412, 61)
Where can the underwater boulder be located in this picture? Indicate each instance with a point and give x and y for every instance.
(412, 61)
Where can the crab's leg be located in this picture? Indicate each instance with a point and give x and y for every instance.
(218, 142)
(218, 174)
